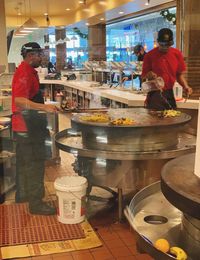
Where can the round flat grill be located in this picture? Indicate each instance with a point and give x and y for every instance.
(149, 131)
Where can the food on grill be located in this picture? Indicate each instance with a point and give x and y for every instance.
(171, 113)
(122, 121)
(99, 118)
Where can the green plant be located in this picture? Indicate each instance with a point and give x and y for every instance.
(167, 15)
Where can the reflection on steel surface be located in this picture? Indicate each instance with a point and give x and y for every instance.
(149, 132)
(151, 202)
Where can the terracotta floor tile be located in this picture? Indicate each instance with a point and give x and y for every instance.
(143, 257)
(129, 241)
(82, 256)
(120, 251)
(102, 255)
(42, 257)
(107, 234)
(63, 256)
(102, 248)
(114, 243)
(133, 249)
(131, 257)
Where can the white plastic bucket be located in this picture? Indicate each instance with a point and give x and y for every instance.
(71, 193)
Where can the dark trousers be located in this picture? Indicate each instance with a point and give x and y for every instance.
(30, 167)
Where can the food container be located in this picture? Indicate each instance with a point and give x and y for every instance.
(153, 85)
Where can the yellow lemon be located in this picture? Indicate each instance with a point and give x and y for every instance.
(162, 245)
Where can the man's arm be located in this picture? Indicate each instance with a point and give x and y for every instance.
(182, 81)
(25, 103)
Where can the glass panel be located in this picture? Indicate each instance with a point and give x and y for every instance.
(122, 36)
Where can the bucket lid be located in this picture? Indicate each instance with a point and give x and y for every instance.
(65, 183)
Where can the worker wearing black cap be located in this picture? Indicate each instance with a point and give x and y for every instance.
(166, 62)
(29, 125)
(139, 51)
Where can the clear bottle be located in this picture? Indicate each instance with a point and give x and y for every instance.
(153, 85)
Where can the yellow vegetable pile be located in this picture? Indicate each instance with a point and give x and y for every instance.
(122, 121)
(164, 246)
(104, 118)
(99, 118)
(171, 113)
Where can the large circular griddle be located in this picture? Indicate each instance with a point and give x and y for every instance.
(69, 140)
(149, 131)
(181, 186)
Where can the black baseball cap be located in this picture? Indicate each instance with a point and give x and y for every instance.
(30, 47)
(137, 49)
(165, 37)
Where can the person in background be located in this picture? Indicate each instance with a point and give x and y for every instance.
(139, 51)
(168, 63)
(51, 68)
(29, 125)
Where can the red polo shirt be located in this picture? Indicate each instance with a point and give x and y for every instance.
(166, 65)
(25, 84)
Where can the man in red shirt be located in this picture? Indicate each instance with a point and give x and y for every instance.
(29, 125)
(165, 62)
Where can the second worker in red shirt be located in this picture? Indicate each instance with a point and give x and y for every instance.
(168, 63)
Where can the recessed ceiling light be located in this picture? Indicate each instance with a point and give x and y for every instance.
(102, 19)
(19, 13)
(81, 2)
(87, 24)
(45, 13)
(121, 12)
(102, 3)
(147, 2)
(86, 9)
(67, 9)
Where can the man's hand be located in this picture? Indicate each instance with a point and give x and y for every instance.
(188, 90)
(49, 108)
(150, 75)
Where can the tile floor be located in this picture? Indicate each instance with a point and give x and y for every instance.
(118, 239)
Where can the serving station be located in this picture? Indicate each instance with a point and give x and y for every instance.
(125, 156)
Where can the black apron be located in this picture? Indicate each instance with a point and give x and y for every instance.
(36, 123)
(161, 100)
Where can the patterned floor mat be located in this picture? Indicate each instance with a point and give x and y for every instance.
(17, 226)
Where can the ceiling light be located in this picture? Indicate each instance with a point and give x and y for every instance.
(81, 2)
(30, 24)
(87, 24)
(67, 39)
(101, 19)
(67, 9)
(26, 31)
(86, 9)
(147, 2)
(121, 12)
(102, 3)
(74, 38)
(60, 41)
(18, 36)
(19, 33)
(45, 14)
